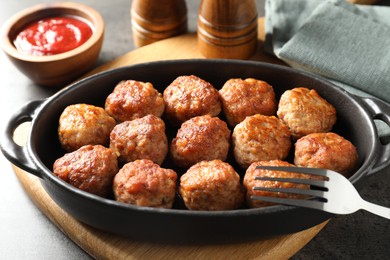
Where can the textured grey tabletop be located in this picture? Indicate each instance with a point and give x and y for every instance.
(26, 233)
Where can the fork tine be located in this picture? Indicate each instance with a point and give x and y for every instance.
(311, 193)
(292, 202)
(338, 196)
(313, 182)
(311, 171)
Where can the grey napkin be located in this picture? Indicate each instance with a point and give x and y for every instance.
(348, 44)
(341, 41)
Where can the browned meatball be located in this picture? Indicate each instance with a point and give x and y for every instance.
(260, 138)
(241, 98)
(250, 182)
(142, 138)
(83, 124)
(200, 138)
(304, 111)
(326, 150)
(190, 96)
(144, 183)
(133, 99)
(211, 185)
(90, 168)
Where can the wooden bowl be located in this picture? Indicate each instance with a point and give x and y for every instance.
(59, 69)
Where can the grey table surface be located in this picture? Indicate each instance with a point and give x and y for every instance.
(26, 233)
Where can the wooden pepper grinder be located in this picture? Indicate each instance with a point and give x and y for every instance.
(227, 28)
(154, 20)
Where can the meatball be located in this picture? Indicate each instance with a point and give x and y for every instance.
(144, 183)
(304, 111)
(133, 99)
(200, 138)
(250, 182)
(260, 138)
(90, 168)
(83, 124)
(190, 96)
(211, 185)
(142, 138)
(241, 98)
(326, 150)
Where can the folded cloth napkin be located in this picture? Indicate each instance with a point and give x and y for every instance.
(346, 43)
(341, 41)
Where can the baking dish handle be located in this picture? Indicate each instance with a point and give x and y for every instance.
(379, 110)
(15, 153)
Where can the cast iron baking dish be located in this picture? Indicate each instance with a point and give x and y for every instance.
(355, 122)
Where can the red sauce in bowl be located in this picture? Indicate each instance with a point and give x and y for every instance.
(52, 36)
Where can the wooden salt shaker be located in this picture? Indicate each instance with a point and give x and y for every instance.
(154, 20)
(227, 28)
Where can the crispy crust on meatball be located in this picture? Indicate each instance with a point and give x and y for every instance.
(142, 138)
(260, 138)
(90, 168)
(200, 138)
(190, 96)
(328, 151)
(83, 124)
(144, 183)
(211, 185)
(250, 182)
(241, 98)
(133, 99)
(304, 111)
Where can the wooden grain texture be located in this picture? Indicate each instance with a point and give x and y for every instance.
(153, 20)
(227, 28)
(102, 245)
(54, 70)
(363, 2)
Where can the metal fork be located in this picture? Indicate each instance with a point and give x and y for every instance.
(332, 193)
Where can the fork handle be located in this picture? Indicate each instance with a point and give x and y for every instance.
(376, 209)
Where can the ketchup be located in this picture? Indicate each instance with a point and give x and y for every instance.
(52, 36)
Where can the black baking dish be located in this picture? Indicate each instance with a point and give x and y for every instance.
(355, 122)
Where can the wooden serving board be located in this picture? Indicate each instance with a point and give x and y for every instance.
(103, 245)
